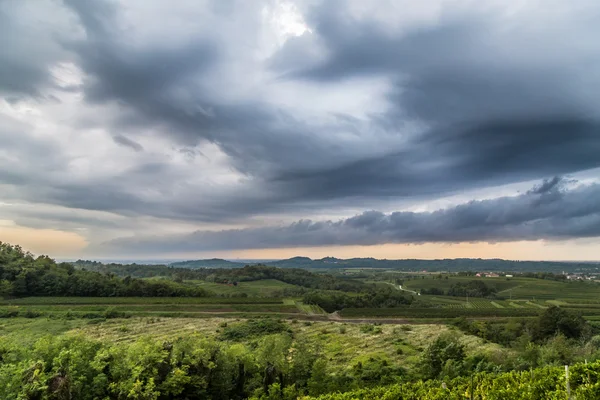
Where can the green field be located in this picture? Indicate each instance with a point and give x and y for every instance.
(516, 297)
(518, 288)
(259, 288)
(432, 281)
(140, 300)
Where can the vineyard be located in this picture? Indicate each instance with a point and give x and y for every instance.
(443, 312)
(517, 288)
(437, 307)
(537, 384)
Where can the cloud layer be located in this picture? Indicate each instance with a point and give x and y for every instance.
(120, 117)
(547, 211)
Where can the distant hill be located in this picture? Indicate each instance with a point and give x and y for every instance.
(460, 264)
(210, 263)
(294, 262)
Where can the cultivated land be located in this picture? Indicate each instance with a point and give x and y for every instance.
(160, 332)
(516, 297)
(581, 297)
(345, 344)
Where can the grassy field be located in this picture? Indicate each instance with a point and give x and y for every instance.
(262, 288)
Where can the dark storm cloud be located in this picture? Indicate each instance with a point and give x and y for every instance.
(17, 75)
(497, 109)
(473, 99)
(439, 162)
(29, 48)
(553, 213)
(492, 114)
(123, 141)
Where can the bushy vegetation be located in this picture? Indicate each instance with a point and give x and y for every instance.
(260, 359)
(271, 366)
(551, 322)
(22, 274)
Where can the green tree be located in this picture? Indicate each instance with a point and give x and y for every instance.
(445, 347)
(319, 380)
(556, 320)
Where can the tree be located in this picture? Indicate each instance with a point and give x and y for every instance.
(444, 348)
(6, 288)
(556, 320)
(318, 382)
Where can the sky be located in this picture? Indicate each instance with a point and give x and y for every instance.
(268, 129)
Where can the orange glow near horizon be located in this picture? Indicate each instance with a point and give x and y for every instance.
(51, 242)
(63, 244)
(523, 250)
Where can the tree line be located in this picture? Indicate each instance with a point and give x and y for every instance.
(383, 297)
(22, 274)
(474, 288)
(293, 276)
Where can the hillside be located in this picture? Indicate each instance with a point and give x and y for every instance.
(452, 265)
(209, 263)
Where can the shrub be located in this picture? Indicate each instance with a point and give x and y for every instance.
(111, 312)
(9, 313)
(31, 314)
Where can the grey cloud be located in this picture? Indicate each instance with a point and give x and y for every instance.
(29, 47)
(498, 107)
(491, 119)
(547, 214)
(548, 185)
(124, 141)
(493, 102)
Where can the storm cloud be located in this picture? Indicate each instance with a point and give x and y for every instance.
(549, 211)
(212, 115)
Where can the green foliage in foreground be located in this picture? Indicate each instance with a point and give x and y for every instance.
(193, 367)
(538, 384)
(269, 367)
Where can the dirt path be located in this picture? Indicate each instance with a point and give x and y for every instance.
(399, 287)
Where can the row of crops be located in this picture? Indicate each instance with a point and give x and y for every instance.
(453, 303)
